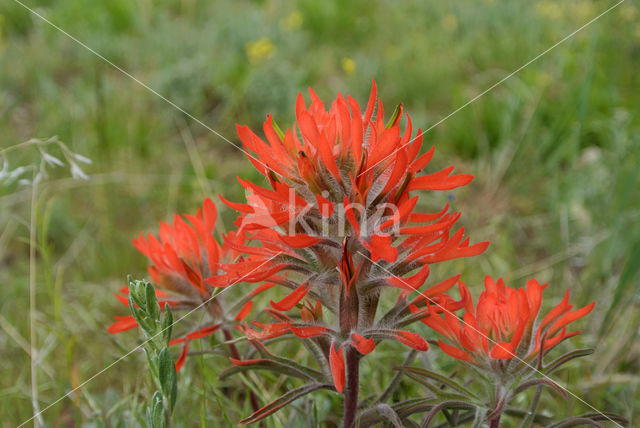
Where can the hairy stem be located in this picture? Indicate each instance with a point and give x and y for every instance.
(496, 414)
(353, 384)
(495, 422)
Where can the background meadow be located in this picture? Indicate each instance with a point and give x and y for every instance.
(555, 150)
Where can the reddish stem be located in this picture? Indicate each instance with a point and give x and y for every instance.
(353, 384)
(495, 422)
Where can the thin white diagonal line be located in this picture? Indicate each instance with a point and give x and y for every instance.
(499, 82)
(491, 340)
(145, 342)
(141, 83)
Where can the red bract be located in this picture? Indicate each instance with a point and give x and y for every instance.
(505, 325)
(337, 225)
(182, 257)
(340, 173)
(185, 254)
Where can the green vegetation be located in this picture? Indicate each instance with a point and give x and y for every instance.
(555, 150)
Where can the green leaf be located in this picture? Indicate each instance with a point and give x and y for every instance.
(135, 293)
(565, 358)
(290, 369)
(152, 308)
(151, 360)
(424, 373)
(590, 419)
(408, 320)
(315, 350)
(414, 405)
(167, 325)
(451, 404)
(380, 413)
(442, 395)
(282, 401)
(538, 418)
(134, 311)
(311, 346)
(174, 389)
(576, 422)
(394, 116)
(140, 312)
(277, 129)
(165, 370)
(157, 411)
(541, 381)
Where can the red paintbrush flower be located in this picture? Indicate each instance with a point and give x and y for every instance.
(340, 173)
(337, 225)
(185, 254)
(505, 338)
(182, 257)
(505, 325)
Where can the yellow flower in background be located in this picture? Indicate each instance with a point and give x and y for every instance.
(544, 78)
(259, 50)
(549, 9)
(291, 22)
(348, 65)
(583, 11)
(449, 23)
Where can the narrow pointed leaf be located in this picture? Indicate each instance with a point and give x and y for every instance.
(563, 359)
(282, 401)
(380, 413)
(290, 368)
(535, 382)
(167, 324)
(442, 406)
(418, 371)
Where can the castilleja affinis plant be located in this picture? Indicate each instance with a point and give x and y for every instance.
(333, 233)
(337, 228)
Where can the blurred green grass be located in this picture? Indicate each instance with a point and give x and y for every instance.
(555, 150)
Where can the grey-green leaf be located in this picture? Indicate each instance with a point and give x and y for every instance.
(282, 401)
(424, 373)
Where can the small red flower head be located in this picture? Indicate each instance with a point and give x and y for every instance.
(185, 254)
(505, 325)
(182, 257)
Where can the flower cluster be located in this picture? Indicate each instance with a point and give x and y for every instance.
(338, 230)
(338, 224)
(504, 325)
